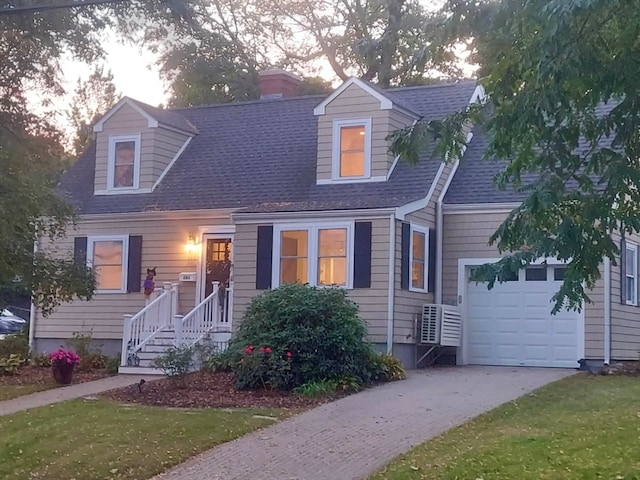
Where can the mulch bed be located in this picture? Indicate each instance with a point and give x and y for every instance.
(33, 375)
(206, 390)
(623, 368)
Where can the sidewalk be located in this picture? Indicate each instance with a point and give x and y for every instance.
(355, 436)
(56, 395)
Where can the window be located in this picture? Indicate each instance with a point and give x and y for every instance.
(418, 258)
(558, 273)
(631, 274)
(124, 163)
(294, 248)
(535, 274)
(108, 257)
(332, 256)
(351, 149)
(315, 254)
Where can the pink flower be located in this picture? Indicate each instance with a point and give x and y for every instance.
(289, 354)
(261, 349)
(268, 349)
(248, 351)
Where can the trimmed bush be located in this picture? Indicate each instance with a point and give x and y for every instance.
(14, 345)
(386, 368)
(316, 332)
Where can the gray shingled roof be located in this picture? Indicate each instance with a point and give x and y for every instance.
(167, 117)
(261, 156)
(474, 180)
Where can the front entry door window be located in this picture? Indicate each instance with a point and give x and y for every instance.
(218, 264)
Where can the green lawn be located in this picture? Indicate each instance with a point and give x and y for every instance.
(7, 392)
(583, 427)
(104, 440)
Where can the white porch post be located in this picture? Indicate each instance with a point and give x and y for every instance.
(126, 337)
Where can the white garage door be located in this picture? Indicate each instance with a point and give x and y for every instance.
(512, 323)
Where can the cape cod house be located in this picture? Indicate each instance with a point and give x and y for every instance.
(226, 201)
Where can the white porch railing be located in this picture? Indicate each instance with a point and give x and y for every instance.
(157, 315)
(212, 315)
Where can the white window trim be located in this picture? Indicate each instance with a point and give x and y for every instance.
(425, 232)
(125, 257)
(312, 249)
(112, 160)
(633, 248)
(335, 157)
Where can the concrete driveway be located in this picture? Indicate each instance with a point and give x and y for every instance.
(355, 436)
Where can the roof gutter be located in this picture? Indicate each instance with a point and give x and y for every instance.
(607, 311)
(32, 309)
(257, 217)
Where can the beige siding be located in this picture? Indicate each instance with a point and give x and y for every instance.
(163, 246)
(166, 144)
(625, 319)
(158, 146)
(372, 301)
(467, 236)
(407, 304)
(352, 103)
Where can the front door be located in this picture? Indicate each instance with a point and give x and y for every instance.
(218, 268)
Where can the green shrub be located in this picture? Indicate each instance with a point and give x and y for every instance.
(206, 355)
(260, 368)
(10, 365)
(318, 327)
(90, 357)
(14, 345)
(329, 387)
(41, 360)
(111, 364)
(175, 363)
(386, 368)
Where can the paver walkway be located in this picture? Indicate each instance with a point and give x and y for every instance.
(353, 437)
(56, 395)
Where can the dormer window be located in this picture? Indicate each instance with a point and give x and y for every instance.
(351, 149)
(124, 162)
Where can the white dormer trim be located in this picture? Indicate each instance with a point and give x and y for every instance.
(479, 95)
(173, 160)
(151, 122)
(111, 161)
(335, 148)
(385, 102)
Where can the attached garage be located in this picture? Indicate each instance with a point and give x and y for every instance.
(512, 324)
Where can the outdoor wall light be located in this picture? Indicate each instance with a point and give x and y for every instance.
(192, 247)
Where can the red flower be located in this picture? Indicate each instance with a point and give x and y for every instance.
(261, 349)
(268, 349)
(289, 355)
(248, 350)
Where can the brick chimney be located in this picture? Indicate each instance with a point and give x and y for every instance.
(277, 83)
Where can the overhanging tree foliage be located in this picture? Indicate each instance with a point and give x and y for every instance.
(562, 82)
(31, 153)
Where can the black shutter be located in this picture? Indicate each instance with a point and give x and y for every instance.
(362, 255)
(404, 255)
(431, 259)
(134, 267)
(264, 257)
(80, 251)
(623, 271)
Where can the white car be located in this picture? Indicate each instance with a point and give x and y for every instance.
(10, 324)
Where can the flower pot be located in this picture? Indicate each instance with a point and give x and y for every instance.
(62, 373)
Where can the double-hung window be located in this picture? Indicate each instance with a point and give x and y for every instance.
(124, 162)
(631, 274)
(108, 257)
(315, 254)
(418, 258)
(351, 149)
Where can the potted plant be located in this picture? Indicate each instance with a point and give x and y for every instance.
(63, 363)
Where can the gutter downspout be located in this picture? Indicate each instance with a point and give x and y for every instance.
(392, 281)
(607, 311)
(32, 310)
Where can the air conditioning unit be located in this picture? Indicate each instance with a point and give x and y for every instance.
(440, 325)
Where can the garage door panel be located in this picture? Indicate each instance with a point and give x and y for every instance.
(512, 325)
